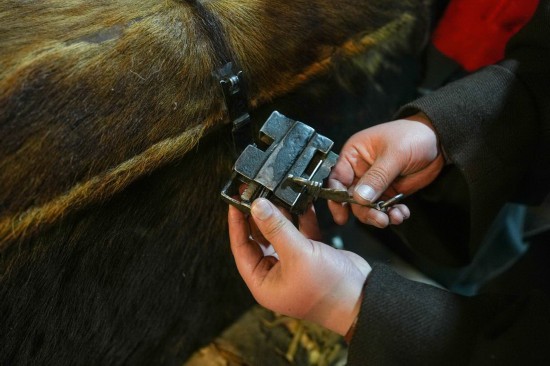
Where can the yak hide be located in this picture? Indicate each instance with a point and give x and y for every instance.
(114, 148)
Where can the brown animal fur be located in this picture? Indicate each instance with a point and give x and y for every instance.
(101, 105)
(96, 60)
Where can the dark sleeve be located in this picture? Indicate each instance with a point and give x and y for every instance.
(408, 323)
(494, 125)
(495, 128)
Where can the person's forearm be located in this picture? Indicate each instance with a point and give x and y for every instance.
(409, 323)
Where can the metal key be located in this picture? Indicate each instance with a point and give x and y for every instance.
(337, 195)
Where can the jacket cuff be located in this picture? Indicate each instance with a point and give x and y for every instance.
(475, 119)
(402, 322)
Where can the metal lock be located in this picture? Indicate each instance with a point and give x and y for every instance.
(286, 149)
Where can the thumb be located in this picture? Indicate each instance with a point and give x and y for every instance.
(277, 229)
(378, 178)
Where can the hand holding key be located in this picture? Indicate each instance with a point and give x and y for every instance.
(317, 190)
(402, 156)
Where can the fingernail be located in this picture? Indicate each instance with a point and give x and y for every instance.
(261, 209)
(366, 192)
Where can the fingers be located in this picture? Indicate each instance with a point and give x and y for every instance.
(308, 224)
(343, 172)
(421, 179)
(398, 213)
(394, 216)
(370, 216)
(377, 179)
(256, 234)
(368, 182)
(339, 211)
(248, 255)
(277, 229)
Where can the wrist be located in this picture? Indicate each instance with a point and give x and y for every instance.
(341, 308)
(351, 331)
(421, 117)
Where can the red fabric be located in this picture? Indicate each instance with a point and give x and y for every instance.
(474, 33)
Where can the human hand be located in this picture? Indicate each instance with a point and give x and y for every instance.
(310, 280)
(401, 156)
